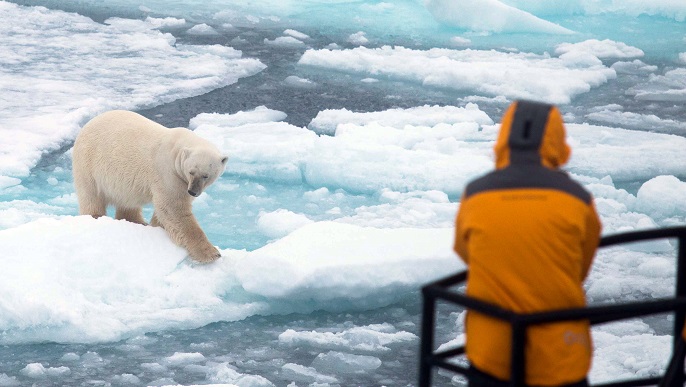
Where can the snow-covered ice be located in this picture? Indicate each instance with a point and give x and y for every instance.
(115, 279)
(488, 72)
(71, 68)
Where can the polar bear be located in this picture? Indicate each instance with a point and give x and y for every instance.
(123, 159)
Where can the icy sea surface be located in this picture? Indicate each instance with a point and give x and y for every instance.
(351, 128)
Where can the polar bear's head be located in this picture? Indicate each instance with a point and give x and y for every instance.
(201, 168)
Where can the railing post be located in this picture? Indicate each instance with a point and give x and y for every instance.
(426, 350)
(680, 315)
(518, 361)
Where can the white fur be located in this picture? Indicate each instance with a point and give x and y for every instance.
(123, 159)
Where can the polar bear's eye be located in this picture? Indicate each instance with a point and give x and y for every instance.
(192, 173)
(205, 176)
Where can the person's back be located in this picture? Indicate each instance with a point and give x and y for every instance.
(528, 234)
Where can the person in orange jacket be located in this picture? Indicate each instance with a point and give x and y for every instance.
(528, 234)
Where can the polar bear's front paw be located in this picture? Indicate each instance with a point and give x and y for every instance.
(206, 254)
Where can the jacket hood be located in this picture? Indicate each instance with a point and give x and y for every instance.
(531, 132)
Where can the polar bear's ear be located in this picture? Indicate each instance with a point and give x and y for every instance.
(225, 159)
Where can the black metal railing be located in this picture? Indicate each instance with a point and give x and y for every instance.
(441, 290)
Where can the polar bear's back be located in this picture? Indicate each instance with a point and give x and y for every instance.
(117, 128)
(115, 151)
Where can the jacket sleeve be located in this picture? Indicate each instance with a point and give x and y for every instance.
(461, 234)
(590, 243)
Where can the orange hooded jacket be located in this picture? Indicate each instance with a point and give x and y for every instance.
(528, 234)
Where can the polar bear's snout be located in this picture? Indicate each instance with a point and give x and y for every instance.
(195, 186)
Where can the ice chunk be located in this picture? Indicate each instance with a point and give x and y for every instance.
(154, 368)
(91, 359)
(225, 373)
(459, 41)
(296, 34)
(54, 372)
(202, 29)
(371, 158)
(601, 48)
(419, 209)
(299, 373)
(607, 191)
(279, 223)
(126, 379)
(135, 26)
(634, 67)
(163, 382)
(300, 265)
(38, 371)
(358, 38)
(296, 81)
(625, 155)
(179, 359)
(489, 16)
(34, 370)
(284, 41)
(618, 275)
(668, 87)
(371, 338)
(491, 73)
(605, 289)
(260, 114)
(272, 150)
(627, 356)
(662, 197)
(70, 357)
(8, 381)
(340, 362)
(327, 120)
(629, 120)
(167, 22)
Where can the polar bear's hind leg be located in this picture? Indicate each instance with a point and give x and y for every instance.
(90, 201)
(133, 215)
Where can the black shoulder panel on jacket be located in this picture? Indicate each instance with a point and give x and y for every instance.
(525, 177)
